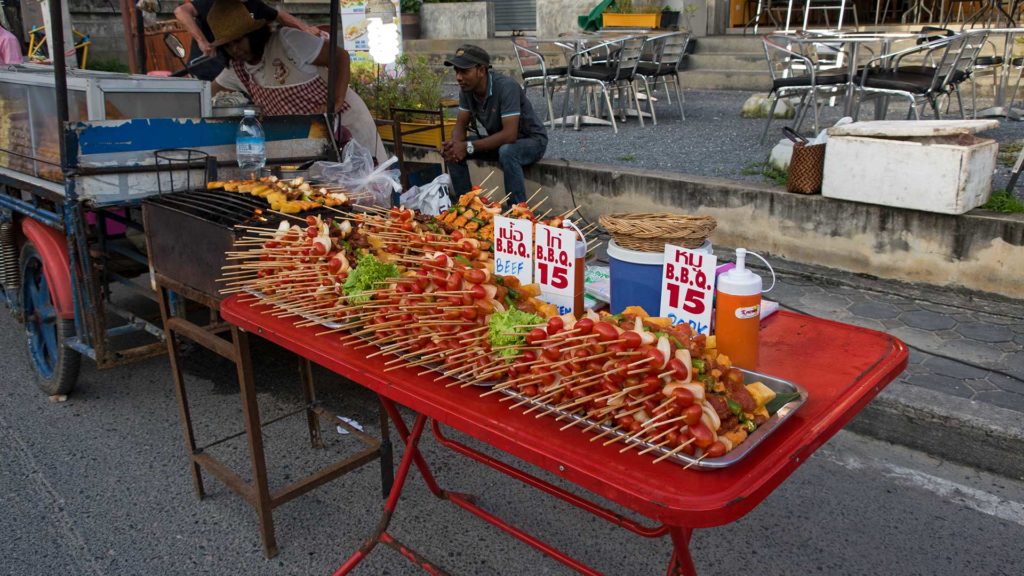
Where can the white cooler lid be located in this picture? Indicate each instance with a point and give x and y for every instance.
(912, 128)
(637, 257)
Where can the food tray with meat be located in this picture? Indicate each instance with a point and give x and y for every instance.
(784, 389)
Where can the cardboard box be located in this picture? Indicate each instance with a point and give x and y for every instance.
(929, 165)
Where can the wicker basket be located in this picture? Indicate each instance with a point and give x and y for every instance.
(650, 232)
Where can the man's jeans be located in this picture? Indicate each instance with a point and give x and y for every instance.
(512, 157)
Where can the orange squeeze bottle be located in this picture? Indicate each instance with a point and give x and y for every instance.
(738, 313)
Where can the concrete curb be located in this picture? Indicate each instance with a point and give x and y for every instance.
(963, 431)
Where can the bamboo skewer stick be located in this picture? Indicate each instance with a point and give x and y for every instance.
(675, 451)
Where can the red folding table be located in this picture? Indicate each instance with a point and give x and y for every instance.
(842, 367)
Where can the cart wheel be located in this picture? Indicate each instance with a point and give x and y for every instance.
(56, 366)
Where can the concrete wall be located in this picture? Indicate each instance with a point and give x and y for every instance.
(980, 250)
(556, 17)
(468, 20)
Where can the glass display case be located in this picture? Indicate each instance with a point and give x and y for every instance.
(29, 134)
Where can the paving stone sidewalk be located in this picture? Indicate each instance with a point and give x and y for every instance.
(961, 345)
(961, 397)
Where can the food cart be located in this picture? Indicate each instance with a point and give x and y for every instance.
(77, 158)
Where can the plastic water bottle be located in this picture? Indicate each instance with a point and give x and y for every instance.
(250, 144)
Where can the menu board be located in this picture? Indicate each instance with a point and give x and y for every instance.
(353, 20)
(555, 266)
(513, 248)
(688, 287)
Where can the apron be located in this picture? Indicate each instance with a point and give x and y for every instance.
(307, 98)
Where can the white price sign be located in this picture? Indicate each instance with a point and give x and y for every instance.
(688, 287)
(555, 266)
(513, 248)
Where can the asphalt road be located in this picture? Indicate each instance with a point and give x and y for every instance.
(98, 485)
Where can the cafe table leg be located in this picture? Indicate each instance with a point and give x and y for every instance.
(681, 563)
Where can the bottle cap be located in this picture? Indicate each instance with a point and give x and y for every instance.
(739, 281)
(249, 112)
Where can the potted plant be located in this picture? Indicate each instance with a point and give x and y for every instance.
(411, 19)
(411, 84)
(669, 18)
(632, 14)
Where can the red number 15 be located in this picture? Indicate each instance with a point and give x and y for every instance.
(693, 301)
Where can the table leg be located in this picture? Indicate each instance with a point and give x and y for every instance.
(309, 395)
(387, 465)
(1001, 108)
(254, 432)
(403, 431)
(182, 395)
(380, 534)
(681, 563)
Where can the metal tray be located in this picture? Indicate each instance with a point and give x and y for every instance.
(779, 385)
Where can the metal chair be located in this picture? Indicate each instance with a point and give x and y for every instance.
(536, 72)
(616, 71)
(886, 75)
(799, 73)
(667, 55)
(823, 6)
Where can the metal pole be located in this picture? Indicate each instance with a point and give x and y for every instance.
(60, 74)
(332, 62)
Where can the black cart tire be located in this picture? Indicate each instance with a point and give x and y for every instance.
(56, 366)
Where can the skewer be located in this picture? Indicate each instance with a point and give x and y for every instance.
(484, 181)
(675, 451)
(606, 432)
(652, 447)
(695, 462)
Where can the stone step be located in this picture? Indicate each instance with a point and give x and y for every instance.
(726, 80)
(728, 44)
(701, 61)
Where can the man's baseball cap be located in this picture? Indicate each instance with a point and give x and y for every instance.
(469, 55)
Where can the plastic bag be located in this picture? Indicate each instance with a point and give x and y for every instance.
(432, 199)
(368, 186)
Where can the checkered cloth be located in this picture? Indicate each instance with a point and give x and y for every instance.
(308, 98)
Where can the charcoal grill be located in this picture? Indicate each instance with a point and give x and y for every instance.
(189, 234)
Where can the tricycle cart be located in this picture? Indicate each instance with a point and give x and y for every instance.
(77, 157)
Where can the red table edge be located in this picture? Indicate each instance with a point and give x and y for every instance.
(695, 515)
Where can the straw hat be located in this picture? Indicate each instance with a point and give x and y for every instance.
(229, 20)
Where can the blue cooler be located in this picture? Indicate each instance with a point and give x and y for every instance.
(635, 277)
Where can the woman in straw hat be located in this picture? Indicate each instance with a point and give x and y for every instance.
(284, 71)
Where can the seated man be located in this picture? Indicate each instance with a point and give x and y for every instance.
(284, 71)
(513, 134)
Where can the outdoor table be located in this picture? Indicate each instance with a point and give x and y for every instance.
(1002, 108)
(842, 367)
(573, 45)
(854, 40)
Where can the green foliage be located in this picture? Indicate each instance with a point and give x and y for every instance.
(770, 173)
(1004, 201)
(411, 6)
(636, 6)
(108, 65)
(627, 158)
(412, 84)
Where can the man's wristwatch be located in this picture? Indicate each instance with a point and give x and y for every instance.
(469, 148)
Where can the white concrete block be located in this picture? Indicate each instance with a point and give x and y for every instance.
(946, 174)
